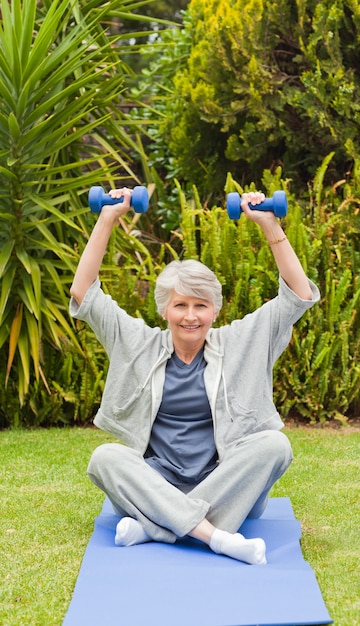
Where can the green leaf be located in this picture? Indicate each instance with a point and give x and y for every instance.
(6, 38)
(6, 290)
(27, 33)
(24, 371)
(32, 293)
(33, 334)
(5, 255)
(36, 284)
(8, 173)
(49, 269)
(14, 128)
(13, 339)
(24, 258)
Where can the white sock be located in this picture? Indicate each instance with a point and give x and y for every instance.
(237, 547)
(129, 532)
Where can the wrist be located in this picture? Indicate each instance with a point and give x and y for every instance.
(275, 241)
(107, 219)
(274, 233)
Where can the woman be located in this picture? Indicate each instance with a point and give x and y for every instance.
(192, 405)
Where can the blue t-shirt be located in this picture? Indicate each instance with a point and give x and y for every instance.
(182, 446)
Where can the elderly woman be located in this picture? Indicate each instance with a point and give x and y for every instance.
(200, 442)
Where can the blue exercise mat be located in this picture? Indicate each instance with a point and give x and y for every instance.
(185, 584)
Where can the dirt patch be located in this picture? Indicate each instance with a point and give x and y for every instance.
(347, 426)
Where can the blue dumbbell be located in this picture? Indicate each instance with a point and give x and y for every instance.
(139, 199)
(277, 204)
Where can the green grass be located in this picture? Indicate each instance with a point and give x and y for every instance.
(48, 507)
(324, 486)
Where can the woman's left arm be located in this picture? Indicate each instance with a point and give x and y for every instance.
(286, 259)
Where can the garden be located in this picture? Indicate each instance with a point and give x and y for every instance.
(192, 100)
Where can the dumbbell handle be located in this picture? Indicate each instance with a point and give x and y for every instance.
(277, 204)
(98, 198)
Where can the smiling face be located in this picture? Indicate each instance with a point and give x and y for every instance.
(189, 320)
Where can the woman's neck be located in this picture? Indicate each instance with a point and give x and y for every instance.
(187, 354)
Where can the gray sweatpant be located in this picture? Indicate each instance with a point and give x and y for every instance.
(236, 489)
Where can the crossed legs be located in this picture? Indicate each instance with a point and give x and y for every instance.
(212, 512)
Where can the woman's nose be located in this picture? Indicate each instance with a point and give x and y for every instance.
(190, 313)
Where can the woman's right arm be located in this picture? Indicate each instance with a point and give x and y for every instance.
(92, 257)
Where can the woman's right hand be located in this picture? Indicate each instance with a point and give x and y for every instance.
(115, 211)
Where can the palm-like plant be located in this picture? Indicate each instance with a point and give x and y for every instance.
(61, 79)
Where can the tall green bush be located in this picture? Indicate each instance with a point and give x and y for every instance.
(248, 85)
(61, 130)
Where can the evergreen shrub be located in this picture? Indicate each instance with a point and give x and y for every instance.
(247, 85)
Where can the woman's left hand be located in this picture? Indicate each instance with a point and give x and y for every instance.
(254, 198)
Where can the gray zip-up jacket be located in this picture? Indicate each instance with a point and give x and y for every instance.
(238, 376)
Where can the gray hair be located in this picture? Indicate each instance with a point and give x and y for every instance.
(187, 278)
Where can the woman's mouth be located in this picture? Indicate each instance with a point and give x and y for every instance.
(190, 327)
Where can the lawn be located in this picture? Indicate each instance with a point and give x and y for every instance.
(48, 507)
